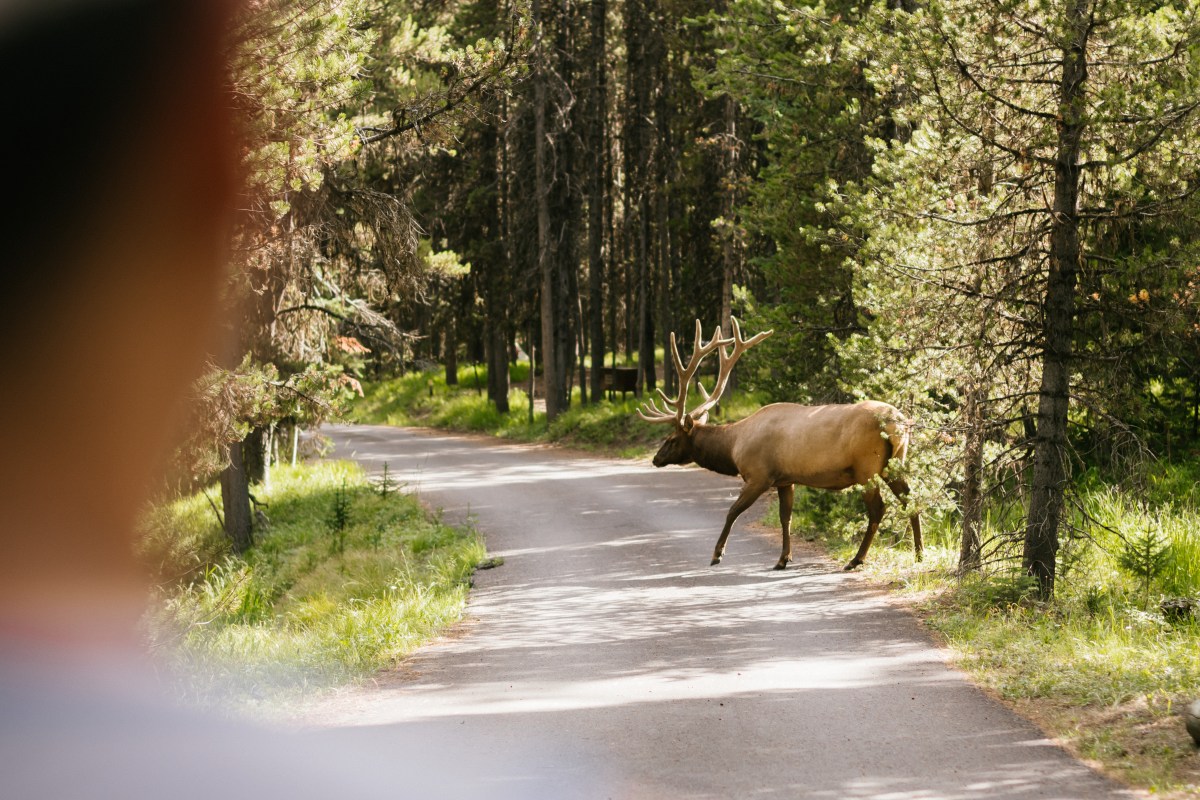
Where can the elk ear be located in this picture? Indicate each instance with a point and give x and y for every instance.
(688, 423)
(703, 420)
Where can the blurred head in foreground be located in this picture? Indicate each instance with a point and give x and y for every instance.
(121, 182)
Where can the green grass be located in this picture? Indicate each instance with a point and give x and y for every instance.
(1100, 667)
(309, 606)
(425, 399)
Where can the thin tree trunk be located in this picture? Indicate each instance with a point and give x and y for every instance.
(497, 285)
(235, 501)
(970, 555)
(729, 248)
(269, 455)
(729, 259)
(1047, 492)
(970, 552)
(254, 455)
(565, 205)
(646, 372)
(663, 262)
(597, 153)
(542, 191)
(662, 193)
(451, 351)
(638, 136)
(532, 373)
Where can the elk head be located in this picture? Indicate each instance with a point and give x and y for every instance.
(678, 447)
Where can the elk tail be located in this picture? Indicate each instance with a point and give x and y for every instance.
(898, 438)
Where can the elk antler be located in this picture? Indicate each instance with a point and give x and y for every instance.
(676, 407)
(740, 346)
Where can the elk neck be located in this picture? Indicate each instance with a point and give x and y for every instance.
(712, 448)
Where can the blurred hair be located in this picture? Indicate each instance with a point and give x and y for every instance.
(79, 79)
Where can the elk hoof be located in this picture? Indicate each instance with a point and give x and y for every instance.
(782, 563)
(716, 560)
(854, 562)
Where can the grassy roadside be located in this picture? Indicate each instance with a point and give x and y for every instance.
(347, 579)
(1102, 669)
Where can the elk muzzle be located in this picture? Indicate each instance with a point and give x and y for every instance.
(675, 450)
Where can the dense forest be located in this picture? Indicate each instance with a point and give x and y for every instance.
(980, 212)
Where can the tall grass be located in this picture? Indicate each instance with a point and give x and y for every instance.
(308, 606)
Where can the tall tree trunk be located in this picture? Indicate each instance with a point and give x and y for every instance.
(565, 205)
(597, 155)
(1047, 492)
(646, 372)
(638, 138)
(497, 365)
(666, 323)
(729, 255)
(662, 193)
(545, 263)
(729, 245)
(235, 500)
(497, 287)
(970, 555)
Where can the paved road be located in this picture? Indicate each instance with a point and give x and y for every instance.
(605, 658)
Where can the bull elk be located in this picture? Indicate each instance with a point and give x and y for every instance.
(783, 444)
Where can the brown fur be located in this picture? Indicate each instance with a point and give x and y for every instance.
(781, 445)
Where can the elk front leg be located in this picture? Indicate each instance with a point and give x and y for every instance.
(899, 487)
(873, 499)
(786, 495)
(750, 493)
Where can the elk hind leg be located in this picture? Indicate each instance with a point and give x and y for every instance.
(899, 487)
(750, 493)
(786, 495)
(873, 499)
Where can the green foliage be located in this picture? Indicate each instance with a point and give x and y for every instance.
(294, 615)
(1145, 557)
(295, 67)
(386, 484)
(339, 518)
(180, 540)
(797, 72)
(1083, 658)
(228, 403)
(999, 590)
